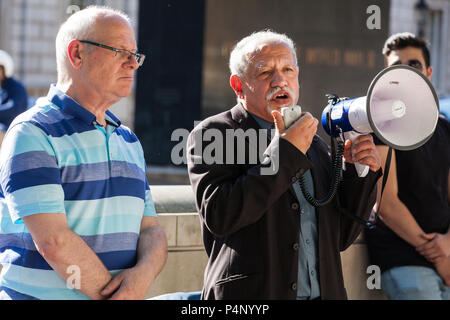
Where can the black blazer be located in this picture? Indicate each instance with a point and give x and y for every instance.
(251, 222)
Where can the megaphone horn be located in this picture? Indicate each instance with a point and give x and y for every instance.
(401, 108)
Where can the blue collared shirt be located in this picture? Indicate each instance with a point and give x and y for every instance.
(308, 277)
(56, 159)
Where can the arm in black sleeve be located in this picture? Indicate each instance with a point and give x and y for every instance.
(357, 196)
(230, 197)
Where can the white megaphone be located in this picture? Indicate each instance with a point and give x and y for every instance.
(401, 108)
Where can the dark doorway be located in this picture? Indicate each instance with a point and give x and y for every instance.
(168, 92)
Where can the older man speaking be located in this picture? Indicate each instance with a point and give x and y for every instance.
(263, 239)
(77, 217)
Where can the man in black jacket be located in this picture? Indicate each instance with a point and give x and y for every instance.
(263, 239)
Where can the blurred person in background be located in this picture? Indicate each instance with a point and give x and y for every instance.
(411, 243)
(13, 95)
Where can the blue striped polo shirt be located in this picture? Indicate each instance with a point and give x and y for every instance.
(56, 159)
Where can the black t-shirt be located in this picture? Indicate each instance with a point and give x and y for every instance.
(422, 176)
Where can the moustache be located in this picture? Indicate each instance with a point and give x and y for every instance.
(275, 90)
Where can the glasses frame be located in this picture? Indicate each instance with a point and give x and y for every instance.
(138, 57)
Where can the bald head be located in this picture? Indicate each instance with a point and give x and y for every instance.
(91, 23)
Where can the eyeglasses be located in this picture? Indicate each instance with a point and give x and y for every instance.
(123, 54)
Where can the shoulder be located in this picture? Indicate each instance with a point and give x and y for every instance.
(127, 134)
(441, 134)
(219, 123)
(233, 118)
(25, 135)
(443, 124)
(42, 115)
(221, 120)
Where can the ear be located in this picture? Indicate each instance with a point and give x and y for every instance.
(73, 51)
(235, 83)
(429, 72)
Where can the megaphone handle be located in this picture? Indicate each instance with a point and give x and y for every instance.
(361, 169)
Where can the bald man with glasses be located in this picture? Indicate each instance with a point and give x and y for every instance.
(123, 54)
(77, 216)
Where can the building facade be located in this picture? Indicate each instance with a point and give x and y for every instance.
(431, 19)
(337, 52)
(28, 30)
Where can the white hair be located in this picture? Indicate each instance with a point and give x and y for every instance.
(81, 26)
(245, 49)
(7, 62)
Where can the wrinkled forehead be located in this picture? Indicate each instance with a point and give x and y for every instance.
(271, 52)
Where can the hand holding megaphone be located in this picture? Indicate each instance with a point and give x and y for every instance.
(361, 152)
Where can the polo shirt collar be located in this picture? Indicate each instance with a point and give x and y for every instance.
(113, 120)
(70, 106)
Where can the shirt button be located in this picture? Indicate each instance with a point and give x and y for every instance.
(294, 286)
(294, 179)
(295, 246)
(302, 211)
(313, 273)
(295, 206)
(308, 241)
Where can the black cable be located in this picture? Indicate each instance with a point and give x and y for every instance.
(337, 167)
(337, 153)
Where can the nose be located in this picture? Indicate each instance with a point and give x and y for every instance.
(132, 63)
(279, 79)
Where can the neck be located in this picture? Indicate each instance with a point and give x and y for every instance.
(89, 100)
(265, 116)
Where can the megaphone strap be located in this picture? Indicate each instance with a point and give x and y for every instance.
(371, 224)
(387, 166)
